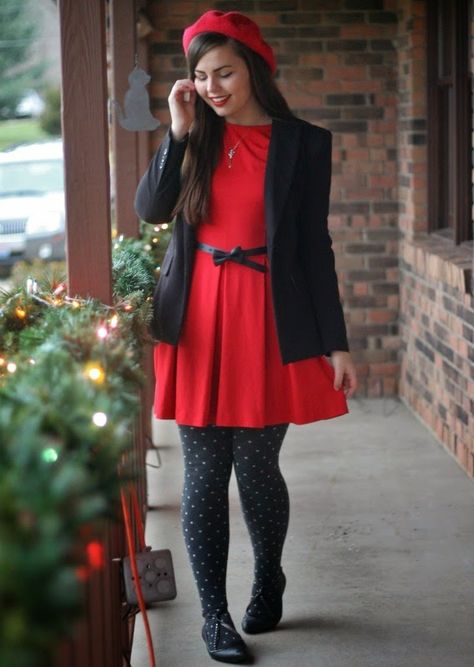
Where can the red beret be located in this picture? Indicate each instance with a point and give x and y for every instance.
(232, 24)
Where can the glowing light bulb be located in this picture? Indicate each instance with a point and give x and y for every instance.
(11, 367)
(20, 313)
(75, 304)
(164, 225)
(99, 419)
(156, 228)
(95, 372)
(102, 332)
(32, 361)
(59, 289)
(49, 455)
(95, 555)
(3, 361)
(113, 321)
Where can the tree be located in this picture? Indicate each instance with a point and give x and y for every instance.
(18, 28)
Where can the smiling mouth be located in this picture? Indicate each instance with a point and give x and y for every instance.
(219, 100)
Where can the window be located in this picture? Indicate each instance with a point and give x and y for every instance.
(449, 120)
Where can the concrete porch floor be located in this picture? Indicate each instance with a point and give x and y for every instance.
(379, 555)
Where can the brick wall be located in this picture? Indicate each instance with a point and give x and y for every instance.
(436, 310)
(358, 68)
(337, 68)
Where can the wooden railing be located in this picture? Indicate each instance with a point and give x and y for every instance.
(104, 637)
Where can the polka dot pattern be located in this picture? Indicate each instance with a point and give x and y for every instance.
(210, 453)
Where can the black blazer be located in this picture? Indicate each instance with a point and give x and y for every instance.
(308, 312)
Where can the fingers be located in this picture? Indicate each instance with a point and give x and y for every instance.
(181, 100)
(182, 90)
(345, 379)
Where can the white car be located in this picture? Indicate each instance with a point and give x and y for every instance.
(32, 205)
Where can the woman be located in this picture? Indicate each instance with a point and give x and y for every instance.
(247, 305)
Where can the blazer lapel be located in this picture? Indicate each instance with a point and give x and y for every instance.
(281, 161)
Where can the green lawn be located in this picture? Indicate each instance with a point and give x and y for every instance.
(17, 131)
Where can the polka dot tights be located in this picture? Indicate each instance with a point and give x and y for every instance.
(209, 454)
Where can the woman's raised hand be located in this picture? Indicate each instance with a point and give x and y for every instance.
(182, 101)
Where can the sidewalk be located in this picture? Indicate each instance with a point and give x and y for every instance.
(379, 555)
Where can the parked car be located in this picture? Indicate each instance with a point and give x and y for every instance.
(32, 206)
(31, 105)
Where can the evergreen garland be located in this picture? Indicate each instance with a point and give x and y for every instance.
(70, 374)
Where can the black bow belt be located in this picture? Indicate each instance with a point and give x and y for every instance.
(235, 255)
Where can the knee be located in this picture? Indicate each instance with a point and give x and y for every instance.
(207, 476)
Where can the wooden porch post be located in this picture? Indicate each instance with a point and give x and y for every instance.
(89, 264)
(86, 148)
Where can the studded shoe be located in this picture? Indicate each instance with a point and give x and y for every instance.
(223, 642)
(265, 608)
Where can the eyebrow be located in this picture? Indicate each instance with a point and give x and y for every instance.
(214, 70)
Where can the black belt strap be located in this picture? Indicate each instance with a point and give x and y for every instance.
(237, 254)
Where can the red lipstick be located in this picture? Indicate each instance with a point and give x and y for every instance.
(221, 102)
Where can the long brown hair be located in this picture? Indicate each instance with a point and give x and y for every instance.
(208, 128)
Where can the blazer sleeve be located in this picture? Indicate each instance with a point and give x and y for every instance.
(159, 187)
(316, 243)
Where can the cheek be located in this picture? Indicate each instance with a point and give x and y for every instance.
(200, 88)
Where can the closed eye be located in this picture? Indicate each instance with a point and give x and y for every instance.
(223, 76)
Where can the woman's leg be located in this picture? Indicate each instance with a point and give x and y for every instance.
(205, 509)
(263, 496)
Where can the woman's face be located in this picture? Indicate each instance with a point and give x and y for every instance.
(223, 81)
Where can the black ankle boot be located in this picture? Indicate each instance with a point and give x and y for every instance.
(265, 608)
(223, 642)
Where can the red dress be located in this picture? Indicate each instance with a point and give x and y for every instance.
(227, 369)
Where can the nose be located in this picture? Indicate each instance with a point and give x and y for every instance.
(212, 86)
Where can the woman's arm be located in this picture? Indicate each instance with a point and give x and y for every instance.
(159, 187)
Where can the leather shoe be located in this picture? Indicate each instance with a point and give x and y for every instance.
(265, 608)
(223, 642)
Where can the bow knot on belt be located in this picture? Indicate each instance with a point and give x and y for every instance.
(237, 255)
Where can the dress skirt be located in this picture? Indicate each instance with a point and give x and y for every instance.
(226, 368)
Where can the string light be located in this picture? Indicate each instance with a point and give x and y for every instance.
(114, 321)
(20, 312)
(11, 367)
(49, 455)
(95, 555)
(94, 372)
(99, 419)
(102, 332)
